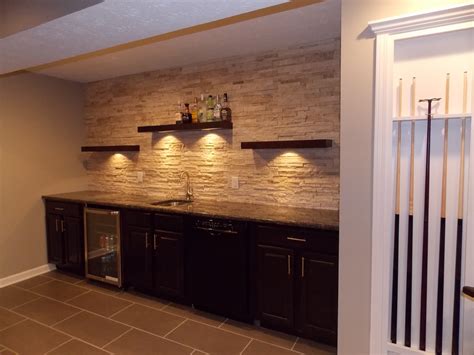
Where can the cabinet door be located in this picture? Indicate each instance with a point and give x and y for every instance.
(318, 296)
(168, 263)
(54, 239)
(275, 286)
(73, 243)
(138, 257)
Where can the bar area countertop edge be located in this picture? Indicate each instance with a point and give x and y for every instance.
(254, 212)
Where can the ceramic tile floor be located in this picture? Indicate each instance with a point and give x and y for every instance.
(58, 313)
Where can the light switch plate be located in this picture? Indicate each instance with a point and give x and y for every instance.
(140, 175)
(235, 182)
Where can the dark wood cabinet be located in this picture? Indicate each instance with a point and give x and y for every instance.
(73, 241)
(318, 296)
(153, 253)
(169, 263)
(138, 257)
(54, 239)
(65, 236)
(276, 285)
(297, 281)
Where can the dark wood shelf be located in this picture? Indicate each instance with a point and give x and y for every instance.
(111, 148)
(299, 144)
(187, 127)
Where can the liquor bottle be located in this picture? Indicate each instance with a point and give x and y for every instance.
(217, 109)
(210, 109)
(179, 112)
(202, 109)
(226, 112)
(194, 110)
(187, 117)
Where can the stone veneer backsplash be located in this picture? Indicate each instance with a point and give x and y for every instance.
(278, 95)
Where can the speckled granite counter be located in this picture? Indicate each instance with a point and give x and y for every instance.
(303, 217)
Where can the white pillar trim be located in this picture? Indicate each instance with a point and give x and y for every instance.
(387, 31)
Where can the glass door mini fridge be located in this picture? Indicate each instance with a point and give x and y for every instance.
(102, 245)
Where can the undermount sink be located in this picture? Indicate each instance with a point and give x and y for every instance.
(171, 203)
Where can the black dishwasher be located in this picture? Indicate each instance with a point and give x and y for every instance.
(219, 267)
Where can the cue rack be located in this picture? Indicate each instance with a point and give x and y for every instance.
(423, 236)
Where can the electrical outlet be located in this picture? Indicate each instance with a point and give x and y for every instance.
(235, 182)
(140, 175)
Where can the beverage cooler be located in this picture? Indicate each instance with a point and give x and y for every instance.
(102, 245)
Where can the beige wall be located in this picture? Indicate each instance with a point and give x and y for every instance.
(41, 131)
(357, 75)
(278, 95)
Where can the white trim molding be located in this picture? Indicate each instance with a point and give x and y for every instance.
(28, 274)
(387, 32)
(424, 20)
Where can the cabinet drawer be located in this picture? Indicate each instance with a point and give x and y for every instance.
(168, 222)
(299, 238)
(64, 208)
(138, 219)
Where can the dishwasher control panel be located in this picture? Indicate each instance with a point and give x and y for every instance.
(219, 225)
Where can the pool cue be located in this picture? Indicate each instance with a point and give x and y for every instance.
(442, 234)
(393, 324)
(408, 295)
(457, 272)
(424, 262)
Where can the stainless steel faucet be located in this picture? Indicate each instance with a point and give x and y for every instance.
(189, 189)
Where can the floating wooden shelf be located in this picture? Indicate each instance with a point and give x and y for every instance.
(187, 127)
(314, 143)
(111, 148)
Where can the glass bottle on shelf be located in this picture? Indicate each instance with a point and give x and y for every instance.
(194, 110)
(217, 109)
(187, 117)
(179, 112)
(202, 109)
(210, 109)
(226, 112)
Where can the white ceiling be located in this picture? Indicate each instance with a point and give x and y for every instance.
(303, 25)
(111, 23)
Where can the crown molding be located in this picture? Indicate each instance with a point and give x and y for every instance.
(424, 20)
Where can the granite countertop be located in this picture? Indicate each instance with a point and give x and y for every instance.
(304, 217)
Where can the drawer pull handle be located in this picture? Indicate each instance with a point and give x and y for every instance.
(324, 262)
(58, 209)
(146, 240)
(62, 226)
(289, 264)
(302, 267)
(303, 240)
(57, 229)
(155, 244)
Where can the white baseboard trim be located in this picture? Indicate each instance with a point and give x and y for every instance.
(28, 274)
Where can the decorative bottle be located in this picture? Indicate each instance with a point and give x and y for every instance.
(226, 112)
(217, 109)
(194, 110)
(210, 109)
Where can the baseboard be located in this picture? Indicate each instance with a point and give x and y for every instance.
(28, 274)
